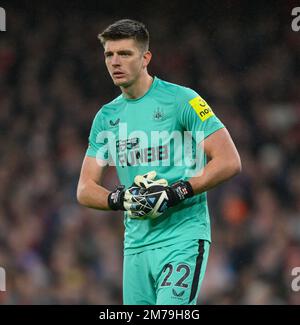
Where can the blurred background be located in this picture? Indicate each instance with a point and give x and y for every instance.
(241, 56)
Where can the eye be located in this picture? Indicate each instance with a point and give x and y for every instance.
(125, 54)
(108, 55)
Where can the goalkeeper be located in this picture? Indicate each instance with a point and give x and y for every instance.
(167, 224)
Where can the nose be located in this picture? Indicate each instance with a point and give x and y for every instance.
(115, 60)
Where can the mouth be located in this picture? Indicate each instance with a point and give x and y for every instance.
(118, 74)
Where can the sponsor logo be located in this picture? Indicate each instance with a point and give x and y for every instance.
(201, 107)
(159, 148)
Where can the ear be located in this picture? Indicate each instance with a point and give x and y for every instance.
(146, 58)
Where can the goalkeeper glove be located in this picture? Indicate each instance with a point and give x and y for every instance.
(134, 195)
(118, 199)
(155, 199)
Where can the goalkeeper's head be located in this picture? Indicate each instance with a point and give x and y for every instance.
(126, 51)
(126, 29)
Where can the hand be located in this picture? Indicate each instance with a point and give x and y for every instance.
(120, 198)
(134, 195)
(154, 198)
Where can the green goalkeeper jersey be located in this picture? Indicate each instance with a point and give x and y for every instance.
(158, 131)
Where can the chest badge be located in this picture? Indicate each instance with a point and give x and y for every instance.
(158, 114)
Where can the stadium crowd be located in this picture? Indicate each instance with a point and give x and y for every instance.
(53, 81)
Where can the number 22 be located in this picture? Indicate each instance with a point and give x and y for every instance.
(180, 282)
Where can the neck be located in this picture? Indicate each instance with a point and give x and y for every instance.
(138, 88)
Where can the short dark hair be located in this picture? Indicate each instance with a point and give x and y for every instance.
(126, 28)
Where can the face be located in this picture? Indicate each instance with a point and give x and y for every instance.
(125, 61)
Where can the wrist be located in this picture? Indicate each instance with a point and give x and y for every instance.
(115, 199)
(180, 191)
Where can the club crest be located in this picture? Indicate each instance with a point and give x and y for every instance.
(158, 114)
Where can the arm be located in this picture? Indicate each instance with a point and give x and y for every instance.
(224, 162)
(89, 191)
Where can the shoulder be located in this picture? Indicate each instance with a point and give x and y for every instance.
(185, 94)
(180, 92)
